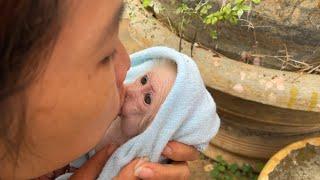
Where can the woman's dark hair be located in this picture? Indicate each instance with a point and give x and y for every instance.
(28, 31)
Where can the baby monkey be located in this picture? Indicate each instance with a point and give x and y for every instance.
(143, 99)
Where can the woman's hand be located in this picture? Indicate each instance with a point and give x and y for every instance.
(92, 168)
(178, 152)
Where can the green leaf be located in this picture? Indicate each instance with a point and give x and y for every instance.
(221, 168)
(219, 158)
(213, 20)
(239, 13)
(183, 8)
(204, 10)
(234, 13)
(210, 19)
(217, 14)
(239, 1)
(236, 8)
(214, 34)
(237, 174)
(256, 1)
(255, 177)
(198, 7)
(147, 3)
(233, 167)
(215, 173)
(227, 9)
(246, 8)
(260, 166)
(228, 177)
(246, 168)
(233, 20)
(179, 10)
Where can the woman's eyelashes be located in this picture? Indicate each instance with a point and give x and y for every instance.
(148, 98)
(108, 58)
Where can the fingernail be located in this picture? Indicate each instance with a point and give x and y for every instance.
(167, 150)
(141, 161)
(143, 172)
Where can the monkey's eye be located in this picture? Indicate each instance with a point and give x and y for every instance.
(147, 98)
(144, 80)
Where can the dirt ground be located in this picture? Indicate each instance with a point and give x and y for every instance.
(197, 169)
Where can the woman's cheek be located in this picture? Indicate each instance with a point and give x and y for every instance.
(72, 109)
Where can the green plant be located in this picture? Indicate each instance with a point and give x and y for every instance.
(147, 3)
(230, 12)
(224, 171)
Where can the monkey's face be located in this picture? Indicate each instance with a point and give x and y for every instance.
(143, 99)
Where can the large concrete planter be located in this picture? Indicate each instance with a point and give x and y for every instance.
(262, 109)
(273, 28)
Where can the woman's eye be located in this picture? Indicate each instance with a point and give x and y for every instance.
(144, 80)
(147, 98)
(108, 58)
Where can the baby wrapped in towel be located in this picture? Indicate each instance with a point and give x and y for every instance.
(164, 101)
(143, 98)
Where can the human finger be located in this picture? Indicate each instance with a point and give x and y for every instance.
(129, 172)
(180, 152)
(156, 171)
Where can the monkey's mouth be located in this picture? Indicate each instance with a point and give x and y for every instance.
(120, 114)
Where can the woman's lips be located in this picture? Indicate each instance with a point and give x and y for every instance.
(122, 98)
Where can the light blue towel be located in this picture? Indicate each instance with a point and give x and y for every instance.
(188, 114)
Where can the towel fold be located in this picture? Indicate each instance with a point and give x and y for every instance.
(188, 114)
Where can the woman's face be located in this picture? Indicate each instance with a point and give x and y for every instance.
(79, 94)
(144, 97)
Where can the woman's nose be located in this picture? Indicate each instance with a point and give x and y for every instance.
(122, 64)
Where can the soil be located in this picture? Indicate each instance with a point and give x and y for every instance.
(197, 169)
(300, 164)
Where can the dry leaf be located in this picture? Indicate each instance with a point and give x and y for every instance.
(208, 167)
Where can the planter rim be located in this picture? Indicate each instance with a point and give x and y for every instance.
(275, 159)
(283, 89)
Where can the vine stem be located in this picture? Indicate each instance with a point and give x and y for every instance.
(181, 33)
(193, 41)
